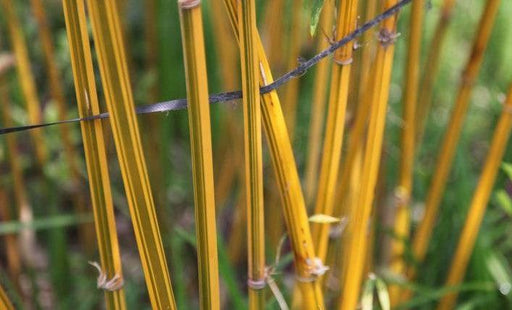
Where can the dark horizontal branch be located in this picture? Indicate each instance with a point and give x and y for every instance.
(180, 104)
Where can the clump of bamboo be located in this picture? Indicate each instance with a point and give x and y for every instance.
(253, 152)
(200, 141)
(404, 189)
(346, 23)
(358, 222)
(479, 203)
(431, 68)
(94, 146)
(447, 151)
(281, 153)
(106, 27)
(318, 107)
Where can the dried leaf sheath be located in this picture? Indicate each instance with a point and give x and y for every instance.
(94, 146)
(357, 227)
(248, 36)
(114, 74)
(479, 203)
(288, 181)
(450, 139)
(200, 141)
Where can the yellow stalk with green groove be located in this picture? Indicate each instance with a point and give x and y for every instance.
(449, 145)
(57, 94)
(358, 222)
(318, 106)
(335, 127)
(109, 45)
(479, 203)
(94, 147)
(248, 36)
(201, 145)
(307, 266)
(404, 190)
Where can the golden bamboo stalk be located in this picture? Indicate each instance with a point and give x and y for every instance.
(318, 106)
(347, 20)
(10, 241)
(479, 203)
(248, 36)
(296, 219)
(201, 145)
(448, 148)
(5, 302)
(404, 190)
(57, 94)
(291, 89)
(94, 146)
(116, 84)
(25, 77)
(431, 67)
(358, 222)
(274, 24)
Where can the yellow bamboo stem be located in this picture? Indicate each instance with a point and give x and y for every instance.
(25, 77)
(479, 203)
(200, 141)
(94, 146)
(358, 222)
(431, 67)
(347, 20)
(318, 107)
(5, 302)
(57, 94)
(274, 24)
(114, 73)
(448, 148)
(405, 182)
(248, 36)
(291, 89)
(10, 241)
(283, 162)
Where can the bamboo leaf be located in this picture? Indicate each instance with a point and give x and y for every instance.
(316, 9)
(382, 294)
(323, 219)
(507, 167)
(367, 295)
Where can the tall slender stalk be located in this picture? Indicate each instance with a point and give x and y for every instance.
(274, 29)
(448, 148)
(57, 94)
(201, 145)
(94, 146)
(404, 190)
(358, 222)
(296, 219)
(346, 23)
(479, 203)
(318, 106)
(248, 36)
(5, 302)
(431, 67)
(25, 76)
(291, 89)
(114, 73)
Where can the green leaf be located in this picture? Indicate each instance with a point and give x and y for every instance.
(367, 296)
(383, 294)
(504, 201)
(507, 167)
(315, 15)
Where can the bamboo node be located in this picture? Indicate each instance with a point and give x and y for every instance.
(257, 284)
(401, 196)
(188, 4)
(114, 284)
(316, 268)
(387, 37)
